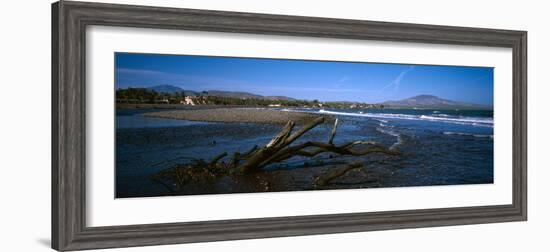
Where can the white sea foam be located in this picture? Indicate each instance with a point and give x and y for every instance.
(467, 134)
(392, 133)
(478, 120)
(388, 132)
(475, 121)
(476, 135)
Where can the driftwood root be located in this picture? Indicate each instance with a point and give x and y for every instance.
(277, 150)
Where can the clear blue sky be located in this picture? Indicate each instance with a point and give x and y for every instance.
(300, 79)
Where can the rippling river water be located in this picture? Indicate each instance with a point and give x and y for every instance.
(440, 147)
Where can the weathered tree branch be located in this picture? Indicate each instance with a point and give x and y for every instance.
(216, 159)
(303, 130)
(333, 133)
(251, 151)
(282, 136)
(277, 150)
(280, 141)
(318, 148)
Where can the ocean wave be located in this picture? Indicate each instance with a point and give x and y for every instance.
(467, 134)
(474, 121)
(478, 120)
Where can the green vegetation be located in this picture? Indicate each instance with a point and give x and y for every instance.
(147, 96)
(143, 95)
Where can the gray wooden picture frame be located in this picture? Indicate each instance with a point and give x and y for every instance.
(69, 22)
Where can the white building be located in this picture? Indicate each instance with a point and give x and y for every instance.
(188, 101)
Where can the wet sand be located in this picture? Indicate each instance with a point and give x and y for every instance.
(248, 115)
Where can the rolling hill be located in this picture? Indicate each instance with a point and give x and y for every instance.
(431, 101)
(220, 93)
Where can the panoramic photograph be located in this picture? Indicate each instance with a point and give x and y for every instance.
(195, 125)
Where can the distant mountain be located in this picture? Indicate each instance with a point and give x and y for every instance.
(233, 94)
(165, 89)
(245, 95)
(241, 95)
(431, 101)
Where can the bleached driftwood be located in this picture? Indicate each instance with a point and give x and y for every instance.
(277, 150)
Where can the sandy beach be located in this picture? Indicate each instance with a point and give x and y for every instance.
(249, 115)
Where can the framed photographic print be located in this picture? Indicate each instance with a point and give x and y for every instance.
(178, 125)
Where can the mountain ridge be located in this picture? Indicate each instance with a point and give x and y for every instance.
(432, 101)
(220, 93)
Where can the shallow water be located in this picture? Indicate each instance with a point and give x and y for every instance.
(440, 147)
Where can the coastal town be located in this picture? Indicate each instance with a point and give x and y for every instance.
(221, 98)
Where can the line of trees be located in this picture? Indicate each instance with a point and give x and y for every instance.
(144, 95)
(148, 96)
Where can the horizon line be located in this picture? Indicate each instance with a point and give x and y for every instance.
(424, 94)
